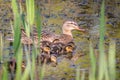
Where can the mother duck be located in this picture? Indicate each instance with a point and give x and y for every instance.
(64, 38)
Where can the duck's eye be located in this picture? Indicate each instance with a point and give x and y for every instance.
(73, 23)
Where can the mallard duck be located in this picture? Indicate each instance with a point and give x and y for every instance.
(63, 43)
(65, 37)
(67, 28)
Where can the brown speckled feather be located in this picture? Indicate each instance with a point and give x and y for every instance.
(63, 38)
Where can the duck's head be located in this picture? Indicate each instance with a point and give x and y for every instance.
(68, 26)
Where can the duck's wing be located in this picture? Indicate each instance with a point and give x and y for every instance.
(63, 38)
(45, 36)
(48, 36)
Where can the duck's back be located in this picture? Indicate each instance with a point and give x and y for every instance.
(63, 38)
(45, 36)
(48, 36)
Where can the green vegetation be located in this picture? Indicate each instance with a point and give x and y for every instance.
(104, 68)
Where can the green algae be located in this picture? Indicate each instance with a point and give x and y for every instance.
(62, 70)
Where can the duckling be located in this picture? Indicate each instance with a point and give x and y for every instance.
(70, 47)
(53, 58)
(50, 51)
(45, 58)
(45, 47)
(57, 48)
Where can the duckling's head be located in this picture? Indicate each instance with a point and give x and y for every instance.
(70, 47)
(68, 26)
(56, 48)
(46, 49)
(53, 58)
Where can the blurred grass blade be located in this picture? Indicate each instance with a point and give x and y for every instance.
(38, 23)
(42, 71)
(92, 72)
(5, 73)
(23, 20)
(27, 29)
(103, 71)
(32, 74)
(101, 45)
(17, 33)
(15, 8)
(26, 73)
(16, 27)
(77, 73)
(1, 47)
(111, 60)
(19, 64)
(83, 75)
(30, 11)
(102, 29)
(30, 15)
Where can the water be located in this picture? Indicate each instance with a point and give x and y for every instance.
(54, 13)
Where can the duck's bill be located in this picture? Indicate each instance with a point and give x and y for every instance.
(80, 29)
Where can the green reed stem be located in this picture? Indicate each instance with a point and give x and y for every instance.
(42, 72)
(111, 60)
(5, 73)
(26, 74)
(1, 47)
(92, 73)
(83, 75)
(30, 15)
(38, 23)
(77, 73)
(19, 64)
(16, 28)
(33, 66)
(103, 71)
